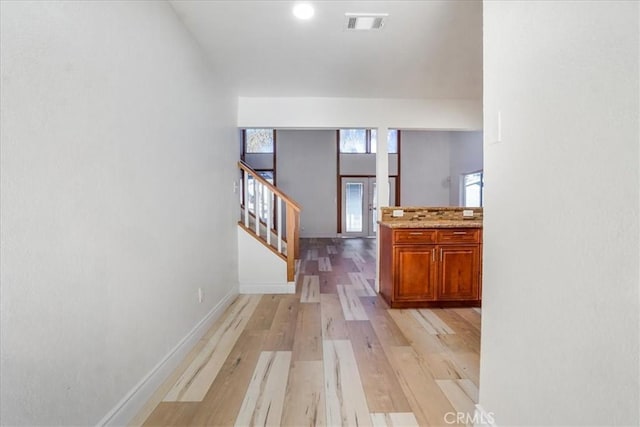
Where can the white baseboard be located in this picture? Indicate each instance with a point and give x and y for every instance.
(483, 418)
(132, 403)
(268, 288)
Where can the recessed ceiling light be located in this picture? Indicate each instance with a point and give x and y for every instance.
(303, 11)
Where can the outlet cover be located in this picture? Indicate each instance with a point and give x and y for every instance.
(467, 213)
(397, 213)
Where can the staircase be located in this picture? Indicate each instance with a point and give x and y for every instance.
(271, 217)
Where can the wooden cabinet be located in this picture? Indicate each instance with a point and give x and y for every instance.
(431, 267)
(459, 272)
(416, 272)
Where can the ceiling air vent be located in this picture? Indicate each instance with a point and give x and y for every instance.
(365, 21)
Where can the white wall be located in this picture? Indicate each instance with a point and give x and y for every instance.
(561, 264)
(260, 270)
(443, 114)
(424, 168)
(465, 156)
(306, 171)
(117, 167)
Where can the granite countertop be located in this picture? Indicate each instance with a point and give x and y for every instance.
(432, 223)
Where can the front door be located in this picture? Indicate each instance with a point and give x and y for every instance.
(359, 205)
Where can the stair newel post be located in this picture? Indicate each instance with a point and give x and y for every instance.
(296, 235)
(291, 241)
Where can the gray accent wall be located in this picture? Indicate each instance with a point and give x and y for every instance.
(306, 170)
(431, 166)
(259, 161)
(465, 156)
(425, 168)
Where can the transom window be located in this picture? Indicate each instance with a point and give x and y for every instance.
(364, 141)
(392, 141)
(259, 140)
(353, 140)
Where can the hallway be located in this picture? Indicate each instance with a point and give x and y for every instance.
(332, 354)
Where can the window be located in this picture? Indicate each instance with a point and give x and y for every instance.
(354, 194)
(473, 184)
(259, 140)
(392, 141)
(353, 140)
(364, 141)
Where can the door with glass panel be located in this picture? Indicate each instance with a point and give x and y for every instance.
(359, 205)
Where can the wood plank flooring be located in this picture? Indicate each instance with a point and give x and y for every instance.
(333, 354)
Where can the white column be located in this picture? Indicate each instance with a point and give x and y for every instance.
(382, 184)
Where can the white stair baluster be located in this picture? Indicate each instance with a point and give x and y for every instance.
(245, 190)
(279, 221)
(269, 196)
(256, 200)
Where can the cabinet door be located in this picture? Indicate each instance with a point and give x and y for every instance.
(459, 275)
(415, 272)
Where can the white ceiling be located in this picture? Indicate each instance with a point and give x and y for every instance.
(427, 49)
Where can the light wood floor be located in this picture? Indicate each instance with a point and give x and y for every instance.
(332, 354)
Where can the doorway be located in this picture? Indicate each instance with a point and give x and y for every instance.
(359, 213)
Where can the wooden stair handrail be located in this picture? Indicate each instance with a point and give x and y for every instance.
(288, 200)
(292, 221)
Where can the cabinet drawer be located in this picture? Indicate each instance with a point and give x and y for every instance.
(459, 235)
(414, 236)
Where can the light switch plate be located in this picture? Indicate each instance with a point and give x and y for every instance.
(467, 213)
(397, 213)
